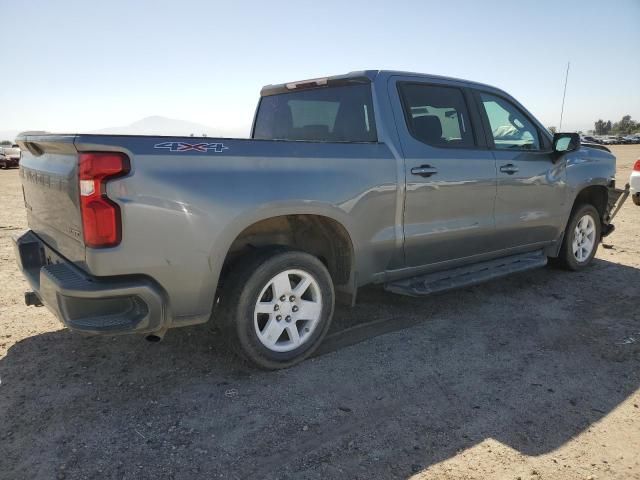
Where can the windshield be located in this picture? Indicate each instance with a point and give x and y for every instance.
(333, 114)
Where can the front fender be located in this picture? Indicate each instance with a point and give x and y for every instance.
(588, 167)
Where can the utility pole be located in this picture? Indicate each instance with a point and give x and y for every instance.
(564, 94)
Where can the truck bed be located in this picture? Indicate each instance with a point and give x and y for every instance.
(185, 199)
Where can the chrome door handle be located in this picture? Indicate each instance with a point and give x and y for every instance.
(509, 168)
(424, 170)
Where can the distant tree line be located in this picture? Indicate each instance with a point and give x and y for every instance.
(625, 126)
(4, 143)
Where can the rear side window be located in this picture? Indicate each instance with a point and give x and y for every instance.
(332, 114)
(437, 115)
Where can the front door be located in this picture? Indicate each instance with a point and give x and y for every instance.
(450, 177)
(531, 186)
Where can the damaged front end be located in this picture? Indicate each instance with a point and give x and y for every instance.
(617, 197)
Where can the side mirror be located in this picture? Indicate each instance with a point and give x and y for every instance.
(565, 142)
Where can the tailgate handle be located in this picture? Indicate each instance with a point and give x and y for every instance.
(424, 170)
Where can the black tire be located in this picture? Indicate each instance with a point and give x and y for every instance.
(566, 258)
(243, 285)
(636, 199)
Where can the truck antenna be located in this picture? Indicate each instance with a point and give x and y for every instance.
(564, 94)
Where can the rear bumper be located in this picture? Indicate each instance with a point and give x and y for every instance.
(99, 305)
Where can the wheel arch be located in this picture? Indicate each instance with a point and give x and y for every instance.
(596, 195)
(318, 235)
(324, 231)
(592, 194)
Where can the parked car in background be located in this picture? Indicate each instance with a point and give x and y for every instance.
(10, 156)
(634, 182)
(589, 139)
(631, 139)
(418, 182)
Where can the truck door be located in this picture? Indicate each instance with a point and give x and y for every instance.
(531, 187)
(450, 174)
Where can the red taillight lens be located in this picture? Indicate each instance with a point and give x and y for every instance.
(100, 216)
(636, 165)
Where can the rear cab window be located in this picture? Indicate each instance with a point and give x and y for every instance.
(327, 114)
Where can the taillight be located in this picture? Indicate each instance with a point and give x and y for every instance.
(636, 165)
(101, 224)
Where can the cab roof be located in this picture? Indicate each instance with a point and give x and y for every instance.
(357, 77)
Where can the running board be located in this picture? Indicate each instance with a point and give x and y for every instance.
(467, 275)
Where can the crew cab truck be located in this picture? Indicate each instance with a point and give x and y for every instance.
(417, 182)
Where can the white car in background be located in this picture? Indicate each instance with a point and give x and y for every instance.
(10, 156)
(634, 182)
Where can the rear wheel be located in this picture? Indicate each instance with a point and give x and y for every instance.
(276, 307)
(581, 238)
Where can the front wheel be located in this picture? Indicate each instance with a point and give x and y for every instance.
(581, 238)
(277, 306)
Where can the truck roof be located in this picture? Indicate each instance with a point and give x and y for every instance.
(358, 77)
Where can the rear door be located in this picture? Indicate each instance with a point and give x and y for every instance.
(531, 188)
(450, 174)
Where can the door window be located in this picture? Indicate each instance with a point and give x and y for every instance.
(510, 128)
(436, 115)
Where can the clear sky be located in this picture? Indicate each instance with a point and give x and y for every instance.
(84, 65)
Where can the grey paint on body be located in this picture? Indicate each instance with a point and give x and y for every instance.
(181, 211)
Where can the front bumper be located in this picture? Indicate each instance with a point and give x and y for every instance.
(107, 305)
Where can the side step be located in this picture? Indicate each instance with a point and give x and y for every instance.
(467, 275)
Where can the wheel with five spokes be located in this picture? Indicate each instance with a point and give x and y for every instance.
(276, 306)
(581, 238)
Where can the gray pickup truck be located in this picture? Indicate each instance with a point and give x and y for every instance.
(417, 182)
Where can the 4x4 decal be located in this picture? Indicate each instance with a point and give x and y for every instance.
(217, 147)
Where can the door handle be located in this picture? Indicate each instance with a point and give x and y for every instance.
(509, 168)
(424, 170)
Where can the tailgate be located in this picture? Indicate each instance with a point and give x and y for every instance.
(49, 175)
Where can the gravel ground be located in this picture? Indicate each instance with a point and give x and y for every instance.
(533, 376)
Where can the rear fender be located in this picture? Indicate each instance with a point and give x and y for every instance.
(239, 224)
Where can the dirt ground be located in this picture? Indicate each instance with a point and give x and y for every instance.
(533, 376)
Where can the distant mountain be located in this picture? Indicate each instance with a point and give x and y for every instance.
(157, 125)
